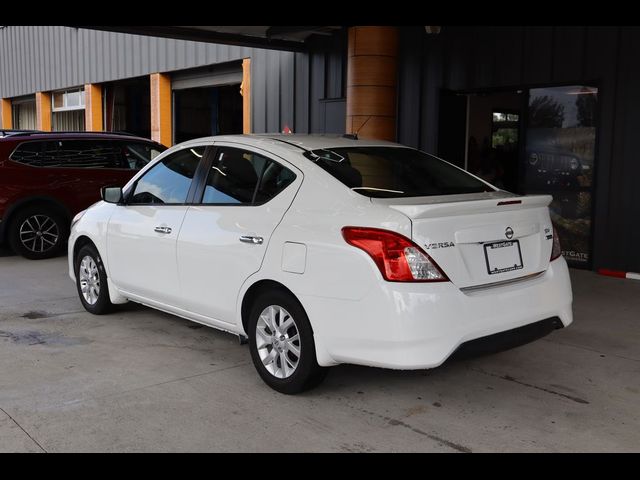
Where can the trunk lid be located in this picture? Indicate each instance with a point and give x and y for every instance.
(481, 238)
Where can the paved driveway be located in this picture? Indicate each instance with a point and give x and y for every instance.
(141, 380)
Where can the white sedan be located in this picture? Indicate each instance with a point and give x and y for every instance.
(325, 250)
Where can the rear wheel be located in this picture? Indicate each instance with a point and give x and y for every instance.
(281, 344)
(91, 281)
(38, 232)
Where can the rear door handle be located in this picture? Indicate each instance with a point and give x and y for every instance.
(166, 230)
(251, 239)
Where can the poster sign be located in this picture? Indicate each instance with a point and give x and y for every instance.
(559, 160)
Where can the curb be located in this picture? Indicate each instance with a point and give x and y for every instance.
(619, 273)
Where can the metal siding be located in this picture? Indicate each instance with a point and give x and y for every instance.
(335, 112)
(483, 45)
(458, 69)
(3, 71)
(58, 68)
(287, 90)
(409, 86)
(568, 54)
(334, 75)
(273, 92)
(538, 44)
(432, 75)
(623, 228)
(317, 93)
(44, 58)
(258, 94)
(601, 49)
(301, 93)
(509, 55)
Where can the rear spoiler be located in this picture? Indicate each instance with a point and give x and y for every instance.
(416, 209)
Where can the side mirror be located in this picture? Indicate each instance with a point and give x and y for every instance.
(111, 194)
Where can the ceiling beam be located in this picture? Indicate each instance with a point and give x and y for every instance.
(199, 35)
(283, 31)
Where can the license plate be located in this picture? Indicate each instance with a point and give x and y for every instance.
(503, 256)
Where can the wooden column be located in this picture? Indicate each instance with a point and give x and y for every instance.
(43, 111)
(161, 119)
(93, 108)
(245, 90)
(372, 82)
(6, 120)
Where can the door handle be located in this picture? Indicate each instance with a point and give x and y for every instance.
(166, 230)
(251, 239)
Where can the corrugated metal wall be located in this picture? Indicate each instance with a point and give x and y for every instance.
(44, 58)
(467, 58)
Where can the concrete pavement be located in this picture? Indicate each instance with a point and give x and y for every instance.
(141, 380)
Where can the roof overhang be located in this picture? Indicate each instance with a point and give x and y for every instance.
(292, 38)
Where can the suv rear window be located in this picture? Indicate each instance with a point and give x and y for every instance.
(84, 154)
(394, 172)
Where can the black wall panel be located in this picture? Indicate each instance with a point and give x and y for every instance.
(473, 58)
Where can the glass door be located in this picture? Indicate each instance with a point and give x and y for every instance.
(559, 160)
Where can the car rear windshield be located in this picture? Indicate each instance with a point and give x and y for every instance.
(393, 172)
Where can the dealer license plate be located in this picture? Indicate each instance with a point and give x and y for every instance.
(503, 256)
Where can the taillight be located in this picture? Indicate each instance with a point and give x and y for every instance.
(556, 251)
(397, 257)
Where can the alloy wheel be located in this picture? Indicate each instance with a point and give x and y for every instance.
(89, 280)
(39, 233)
(278, 341)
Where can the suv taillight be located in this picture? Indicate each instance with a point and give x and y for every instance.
(556, 251)
(397, 257)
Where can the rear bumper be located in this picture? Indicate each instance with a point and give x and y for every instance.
(415, 326)
(507, 339)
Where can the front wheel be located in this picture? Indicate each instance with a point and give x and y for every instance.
(91, 281)
(281, 344)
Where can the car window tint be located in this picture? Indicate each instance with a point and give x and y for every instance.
(242, 177)
(33, 153)
(168, 182)
(275, 178)
(394, 172)
(137, 155)
(70, 154)
(233, 177)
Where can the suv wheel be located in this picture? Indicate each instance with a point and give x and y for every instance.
(281, 344)
(38, 232)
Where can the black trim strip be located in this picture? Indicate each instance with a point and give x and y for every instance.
(289, 143)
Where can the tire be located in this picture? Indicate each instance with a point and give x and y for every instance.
(279, 306)
(92, 277)
(38, 232)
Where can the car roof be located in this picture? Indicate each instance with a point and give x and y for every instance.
(315, 142)
(289, 146)
(20, 136)
(293, 142)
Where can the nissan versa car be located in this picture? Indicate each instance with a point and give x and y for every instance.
(48, 177)
(324, 250)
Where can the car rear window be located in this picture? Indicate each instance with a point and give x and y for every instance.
(394, 172)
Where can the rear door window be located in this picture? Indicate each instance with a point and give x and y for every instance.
(241, 177)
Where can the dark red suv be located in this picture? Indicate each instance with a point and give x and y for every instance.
(48, 177)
